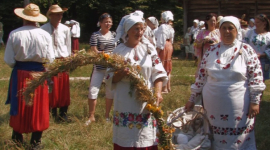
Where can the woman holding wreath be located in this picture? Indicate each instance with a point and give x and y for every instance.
(133, 126)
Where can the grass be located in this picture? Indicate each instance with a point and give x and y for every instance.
(98, 136)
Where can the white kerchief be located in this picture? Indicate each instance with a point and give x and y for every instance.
(167, 15)
(154, 21)
(231, 19)
(138, 13)
(252, 20)
(130, 21)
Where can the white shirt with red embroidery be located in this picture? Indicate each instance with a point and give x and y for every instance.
(61, 39)
(133, 125)
(230, 78)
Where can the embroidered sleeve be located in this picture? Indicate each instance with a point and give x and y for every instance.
(196, 88)
(267, 48)
(158, 70)
(254, 74)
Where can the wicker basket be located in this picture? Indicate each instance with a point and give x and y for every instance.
(192, 129)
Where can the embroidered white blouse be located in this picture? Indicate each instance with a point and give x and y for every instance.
(134, 126)
(233, 67)
(61, 39)
(28, 43)
(164, 32)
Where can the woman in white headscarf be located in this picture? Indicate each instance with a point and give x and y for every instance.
(152, 26)
(133, 126)
(165, 35)
(251, 24)
(231, 83)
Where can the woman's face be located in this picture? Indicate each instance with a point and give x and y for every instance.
(150, 24)
(251, 23)
(228, 33)
(212, 22)
(106, 24)
(260, 24)
(136, 32)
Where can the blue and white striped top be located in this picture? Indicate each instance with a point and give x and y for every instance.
(103, 43)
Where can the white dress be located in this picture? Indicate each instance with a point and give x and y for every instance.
(134, 126)
(229, 82)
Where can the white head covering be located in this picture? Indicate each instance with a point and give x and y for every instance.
(252, 20)
(231, 19)
(196, 21)
(154, 21)
(167, 15)
(67, 22)
(129, 22)
(125, 24)
(137, 13)
(201, 23)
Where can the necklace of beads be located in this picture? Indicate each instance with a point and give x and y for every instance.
(227, 64)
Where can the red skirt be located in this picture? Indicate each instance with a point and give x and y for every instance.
(166, 56)
(75, 44)
(31, 118)
(60, 95)
(117, 147)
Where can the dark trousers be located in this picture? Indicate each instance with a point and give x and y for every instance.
(62, 112)
(35, 138)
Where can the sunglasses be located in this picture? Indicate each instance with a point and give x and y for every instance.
(263, 17)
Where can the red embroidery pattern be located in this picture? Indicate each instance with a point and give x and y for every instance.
(232, 131)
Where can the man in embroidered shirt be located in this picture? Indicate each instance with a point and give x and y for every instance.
(61, 39)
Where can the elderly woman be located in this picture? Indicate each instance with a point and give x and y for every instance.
(133, 126)
(165, 35)
(259, 40)
(207, 37)
(100, 41)
(231, 83)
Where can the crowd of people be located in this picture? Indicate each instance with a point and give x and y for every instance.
(233, 63)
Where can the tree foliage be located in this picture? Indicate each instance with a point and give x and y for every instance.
(87, 12)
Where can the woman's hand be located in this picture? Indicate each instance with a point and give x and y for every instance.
(159, 98)
(189, 106)
(158, 87)
(254, 110)
(119, 75)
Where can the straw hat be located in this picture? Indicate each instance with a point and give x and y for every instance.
(219, 18)
(31, 12)
(243, 22)
(55, 9)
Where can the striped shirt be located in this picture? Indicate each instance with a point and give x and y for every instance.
(103, 43)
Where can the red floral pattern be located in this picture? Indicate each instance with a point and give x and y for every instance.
(232, 131)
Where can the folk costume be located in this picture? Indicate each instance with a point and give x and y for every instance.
(230, 78)
(260, 43)
(75, 35)
(27, 48)
(133, 126)
(60, 95)
(165, 36)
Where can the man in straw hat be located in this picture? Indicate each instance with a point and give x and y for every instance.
(60, 95)
(27, 48)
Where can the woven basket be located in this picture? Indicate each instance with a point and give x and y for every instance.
(194, 125)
